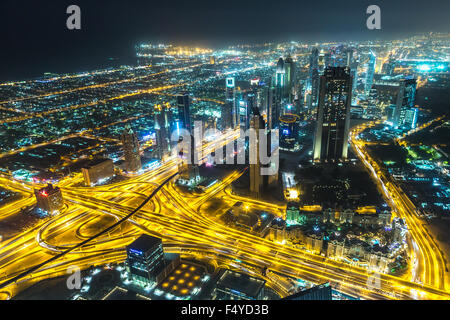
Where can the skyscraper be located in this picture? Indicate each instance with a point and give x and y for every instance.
(184, 113)
(188, 166)
(256, 179)
(405, 110)
(314, 75)
(162, 131)
(289, 67)
(333, 116)
(370, 73)
(280, 76)
(228, 114)
(130, 144)
(289, 125)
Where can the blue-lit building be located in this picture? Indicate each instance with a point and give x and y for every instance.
(289, 125)
(184, 114)
(405, 112)
(228, 109)
(370, 73)
(146, 261)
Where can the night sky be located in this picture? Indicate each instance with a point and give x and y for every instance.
(34, 38)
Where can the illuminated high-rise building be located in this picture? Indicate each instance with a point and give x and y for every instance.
(273, 108)
(49, 199)
(130, 144)
(289, 125)
(162, 131)
(280, 75)
(247, 107)
(314, 75)
(290, 78)
(228, 113)
(349, 57)
(188, 166)
(184, 112)
(405, 110)
(333, 116)
(256, 179)
(370, 73)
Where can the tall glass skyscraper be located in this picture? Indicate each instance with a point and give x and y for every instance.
(130, 144)
(333, 116)
(370, 73)
(405, 110)
(184, 113)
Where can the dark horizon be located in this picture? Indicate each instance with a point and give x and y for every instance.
(36, 40)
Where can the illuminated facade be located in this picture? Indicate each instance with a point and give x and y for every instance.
(289, 125)
(146, 261)
(97, 171)
(333, 116)
(314, 76)
(370, 73)
(228, 109)
(184, 112)
(162, 132)
(49, 199)
(130, 144)
(405, 110)
(256, 179)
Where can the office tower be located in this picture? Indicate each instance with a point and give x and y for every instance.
(184, 113)
(188, 166)
(98, 171)
(274, 105)
(314, 76)
(49, 199)
(256, 179)
(290, 78)
(146, 261)
(238, 286)
(212, 60)
(162, 131)
(333, 116)
(280, 75)
(389, 66)
(370, 73)
(354, 74)
(228, 113)
(349, 57)
(320, 292)
(247, 107)
(289, 125)
(327, 60)
(405, 111)
(130, 144)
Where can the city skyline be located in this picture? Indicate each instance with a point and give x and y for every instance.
(110, 30)
(274, 169)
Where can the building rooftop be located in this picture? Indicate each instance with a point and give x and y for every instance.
(144, 243)
(241, 282)
(96, 162)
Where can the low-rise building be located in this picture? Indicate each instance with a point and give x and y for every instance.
(97, 171)
(49, 199)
